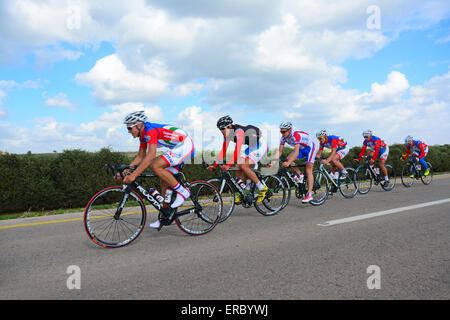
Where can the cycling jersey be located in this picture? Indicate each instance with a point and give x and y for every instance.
(298, 137)
(242, 135)
(419, 147)
(334, 142)
(180, 144)
(378, 145)
(163, 135)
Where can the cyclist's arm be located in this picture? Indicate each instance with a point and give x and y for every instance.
(422, 151)
(146, 162)
(239, 142)
(363, 152)
(294, 154)
(377, 150)
(141, 155)
(406, 153)
(222, 153)
(333, 150)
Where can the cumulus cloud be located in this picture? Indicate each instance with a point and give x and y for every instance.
(60, 101)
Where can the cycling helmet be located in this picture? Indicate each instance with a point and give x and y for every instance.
(224, 122)
(367, 133)
(408, 139)
(137, 116)
(322, 133)
(286, 125)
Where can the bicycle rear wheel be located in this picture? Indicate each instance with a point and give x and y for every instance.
(427, 179)
(202, 211)
(392, 178)
(347, 186)
(275, 196)
(228, 197)
(364, 179)
(321, 188)
(407, 171)
(107, 228)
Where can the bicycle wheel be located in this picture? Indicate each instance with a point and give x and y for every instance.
(392, 178)
(427, 179)
(275, 196)
(288, 191)
(407, 171)
(202, 211)
(347, 186)
(228, 196)
(321, 188)
(105, 227)
(364, 179)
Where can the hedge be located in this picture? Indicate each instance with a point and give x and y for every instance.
(34, 182)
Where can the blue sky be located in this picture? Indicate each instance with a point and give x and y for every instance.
(70, 70)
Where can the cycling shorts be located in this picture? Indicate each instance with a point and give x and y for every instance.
(180, 153)
(255, 153)
(343, 152)
(309, 153)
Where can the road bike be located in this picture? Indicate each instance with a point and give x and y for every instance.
(116, 216)
(367, 176)
(229, 189)
(319, 190)
(345, 183)
(413, 170)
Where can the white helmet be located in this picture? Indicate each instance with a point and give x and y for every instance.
(137, 116)
(286, 125)
(367, 133)
(321, 133)
(408, 139)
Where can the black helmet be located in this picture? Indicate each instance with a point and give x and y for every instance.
(224, 122)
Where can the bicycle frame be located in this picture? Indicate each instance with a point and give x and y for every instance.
(227, 177)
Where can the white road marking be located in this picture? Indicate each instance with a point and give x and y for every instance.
(382, 213)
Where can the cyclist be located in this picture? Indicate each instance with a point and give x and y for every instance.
(339, 150)
(303, 147)
(256, 149)
(152, 136)
(419, 148)
(380, 149)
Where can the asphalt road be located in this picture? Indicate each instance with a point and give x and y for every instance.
(288, 256)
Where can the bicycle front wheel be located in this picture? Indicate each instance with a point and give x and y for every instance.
(275, 196)
(388, 186)
(407, 172)
(202, 211)
(321, 188)
(347, 186)
(428, 178)
(363, 179)
(114, 218)
(287, 187)
(228, 197)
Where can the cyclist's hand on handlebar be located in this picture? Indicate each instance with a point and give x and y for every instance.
(210, 168)
(371, 161)
(286, 164)
(325, 162)
(129, 179)
(225, 167)
(356, 160)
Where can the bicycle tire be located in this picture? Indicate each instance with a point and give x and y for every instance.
(287, 187)
(105, 230)
(407, 170)
(228, 197)
(364, 179)
(392, 178)
(424, 179)
(321, 188)
(273, 202)
(348, 187)
(204, 213)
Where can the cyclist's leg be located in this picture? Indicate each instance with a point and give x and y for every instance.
(383, 157)
(422, 159)
(310, 154)
(174, 158)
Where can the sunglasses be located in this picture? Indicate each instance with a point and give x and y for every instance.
(283, 132)
(131, 127)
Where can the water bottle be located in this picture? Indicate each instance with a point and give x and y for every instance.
(156, 195)
(300, 177)
(249, 184)
(377, 170)
(168, 196)
(241, 183)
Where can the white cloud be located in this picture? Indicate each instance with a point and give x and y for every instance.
(61, 101)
